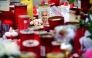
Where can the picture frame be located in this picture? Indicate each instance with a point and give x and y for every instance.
(44, 12)
(5, 27)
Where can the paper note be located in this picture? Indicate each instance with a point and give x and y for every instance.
(65, 12)
(4, 5)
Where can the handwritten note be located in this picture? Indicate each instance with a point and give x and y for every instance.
(65, 12)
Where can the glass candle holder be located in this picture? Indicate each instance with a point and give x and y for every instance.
(57, 2)
(46, 27)
(31, 46)
(46, 40)
(25, 35)
(55, 21)
(12, 7)
(23, 22)
(56, 47)
(20, 9)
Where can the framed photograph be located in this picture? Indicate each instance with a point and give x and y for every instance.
(4, 5)
(5, 27)
(44, 12)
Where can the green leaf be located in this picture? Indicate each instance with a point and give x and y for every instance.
(71, 1)
(81, 21)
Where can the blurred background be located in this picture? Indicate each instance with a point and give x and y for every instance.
(36, 2)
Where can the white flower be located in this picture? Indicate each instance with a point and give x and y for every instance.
(9, 48)
(36, 22)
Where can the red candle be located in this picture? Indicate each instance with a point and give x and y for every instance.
(42, 2)
(46, 27)
(62, 3)
(55, 21)
(6, 15)
(66, 3)
(25, 35)
(72, 5)
(20, 9)
(57, 2)
(12, 9)
(8, 18)
(23, 22)
(31, 46)
(46, 40)
(56, 47)
(79, 33)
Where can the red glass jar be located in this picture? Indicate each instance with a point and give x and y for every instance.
(12, 7)
(56, 46)
(31, 46)
(20, 9)
(46, 40)
(57, 2)
(46, 27)
(55, 21)
(25, 35)
(23, 22)
(8, 22)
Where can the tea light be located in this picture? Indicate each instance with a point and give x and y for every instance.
(55, 55)
(55, 21)
(27, 55)
(56, 46)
